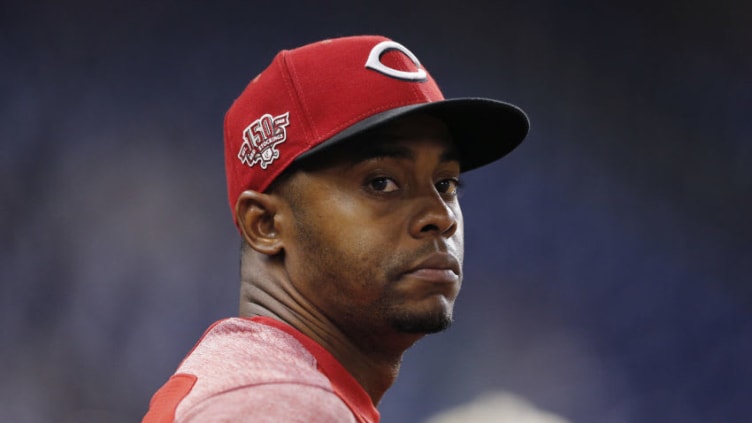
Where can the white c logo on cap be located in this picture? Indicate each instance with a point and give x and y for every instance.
(374, 62)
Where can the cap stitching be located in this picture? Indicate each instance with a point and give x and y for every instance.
(293, 84)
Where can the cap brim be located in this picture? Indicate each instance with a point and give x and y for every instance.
(484, 130)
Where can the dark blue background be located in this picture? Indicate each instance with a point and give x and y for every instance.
(609, 258)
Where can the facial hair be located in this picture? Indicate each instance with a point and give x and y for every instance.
(389, 309)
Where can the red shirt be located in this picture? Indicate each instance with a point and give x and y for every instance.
(260, 370)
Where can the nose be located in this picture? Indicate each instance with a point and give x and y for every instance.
(435, 217)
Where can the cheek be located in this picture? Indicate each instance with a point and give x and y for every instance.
(358, 230)
(339, 256)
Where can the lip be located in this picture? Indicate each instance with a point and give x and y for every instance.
(438, 267)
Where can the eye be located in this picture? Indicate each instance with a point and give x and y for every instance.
(383, 184)
(448, 186)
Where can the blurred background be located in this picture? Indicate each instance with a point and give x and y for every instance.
(608, 272)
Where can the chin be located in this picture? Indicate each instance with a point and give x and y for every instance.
(425, 323)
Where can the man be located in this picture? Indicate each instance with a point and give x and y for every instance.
(343, 162)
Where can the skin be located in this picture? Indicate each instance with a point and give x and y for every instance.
(361, 247)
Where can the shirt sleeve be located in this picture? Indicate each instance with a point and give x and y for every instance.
(271, 403)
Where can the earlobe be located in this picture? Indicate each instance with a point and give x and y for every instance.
(256, 214)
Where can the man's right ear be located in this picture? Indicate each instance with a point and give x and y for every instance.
(258, 221)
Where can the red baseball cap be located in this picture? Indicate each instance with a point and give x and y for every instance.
(321, 94)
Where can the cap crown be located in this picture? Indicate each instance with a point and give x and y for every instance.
(308, 95)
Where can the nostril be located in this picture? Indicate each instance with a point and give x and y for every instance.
(430, 228)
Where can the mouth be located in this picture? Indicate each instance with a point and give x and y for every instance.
(437, 268)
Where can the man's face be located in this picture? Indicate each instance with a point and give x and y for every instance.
(377, 239)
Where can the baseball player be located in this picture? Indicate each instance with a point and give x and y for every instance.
(343, 162)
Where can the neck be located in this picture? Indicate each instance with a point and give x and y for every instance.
(372, 359)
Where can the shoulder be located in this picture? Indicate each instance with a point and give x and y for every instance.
(239, 348)
(241, 366)
(271, 403)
